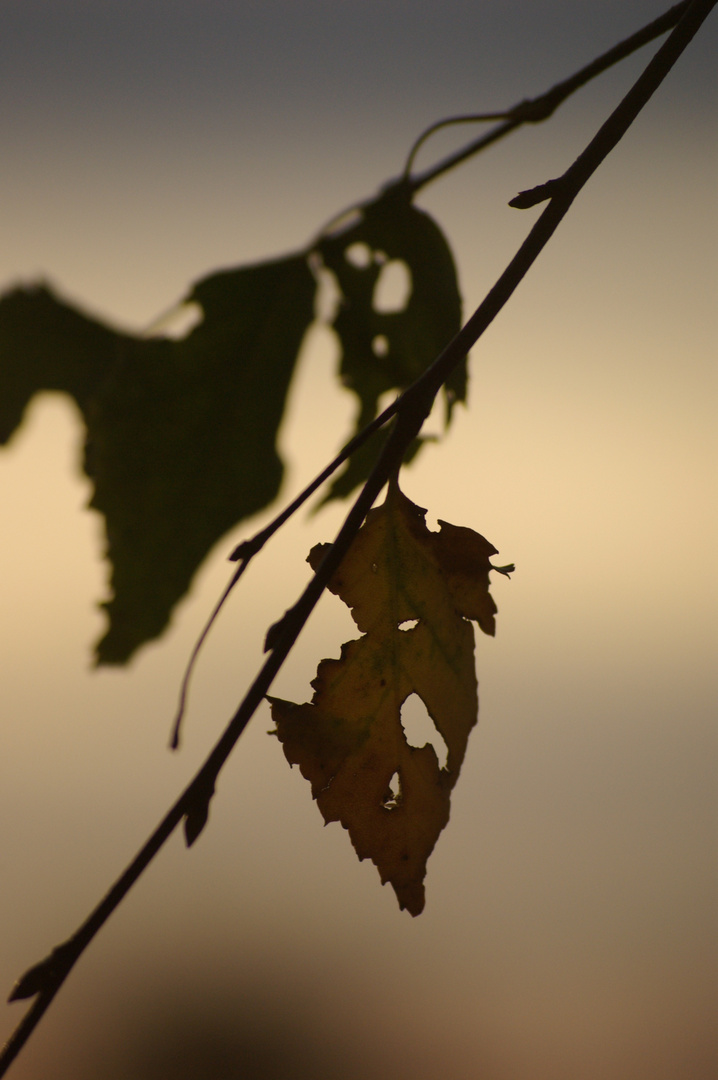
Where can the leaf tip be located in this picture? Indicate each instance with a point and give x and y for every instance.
(412, 899)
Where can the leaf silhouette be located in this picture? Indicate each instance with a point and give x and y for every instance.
(181, 435)
(349, 741)
(385, 350)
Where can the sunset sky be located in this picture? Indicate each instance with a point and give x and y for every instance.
(570, 926)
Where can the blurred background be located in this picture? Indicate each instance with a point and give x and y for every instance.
(570, 925)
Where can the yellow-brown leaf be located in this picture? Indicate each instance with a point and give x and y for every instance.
(349, 741)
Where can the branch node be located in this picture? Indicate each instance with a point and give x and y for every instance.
(197, 813)
(46, 976)
(534, 110)
(275, 630)
(245, 550)
(535, 195)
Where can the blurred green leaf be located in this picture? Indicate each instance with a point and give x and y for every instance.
(385, 350)
(181, 435)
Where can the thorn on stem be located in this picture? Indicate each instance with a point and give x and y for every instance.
(198, 812)
(533, 196)
(46, 975)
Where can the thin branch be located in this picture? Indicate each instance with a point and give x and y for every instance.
(45, 979)
(245, 552)
(534, 110)
(528, 111)
(451, 121)
(531, 110)
(184, 686)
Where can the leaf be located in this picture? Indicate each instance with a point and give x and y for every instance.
(387, 350)
(181, 435)
(349, 741)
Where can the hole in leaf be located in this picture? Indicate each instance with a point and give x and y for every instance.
(178, 322)
(392, 795)
(358, 255)
(380, 345)
(408, 624)
(328, 295)
(393, 288)
(420, 729)
(346, 222)
(386, 399)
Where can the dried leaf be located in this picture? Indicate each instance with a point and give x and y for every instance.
(349, 741)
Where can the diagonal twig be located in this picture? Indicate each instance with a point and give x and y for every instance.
(534, 110)
(45, 979)
(531, 110)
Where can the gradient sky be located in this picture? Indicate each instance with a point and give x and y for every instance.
(570, 929)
